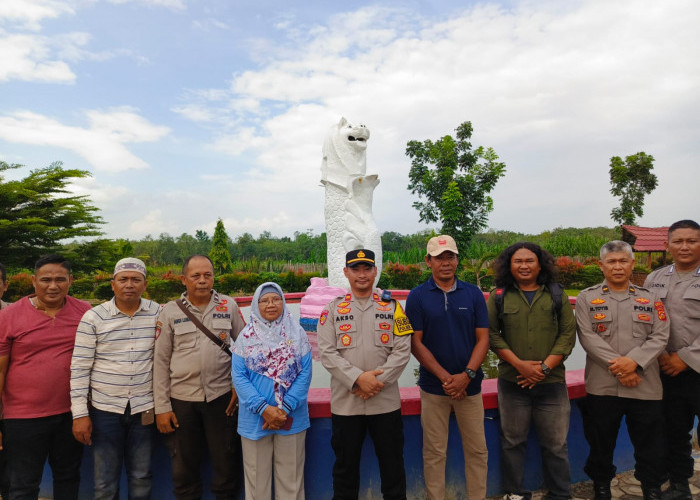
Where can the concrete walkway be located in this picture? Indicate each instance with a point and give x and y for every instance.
(625, 486)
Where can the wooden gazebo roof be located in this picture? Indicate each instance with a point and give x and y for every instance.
(645, 239)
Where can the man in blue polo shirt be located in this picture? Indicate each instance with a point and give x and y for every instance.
(450, 340)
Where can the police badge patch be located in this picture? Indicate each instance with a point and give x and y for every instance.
(324, 317)
(660, 310)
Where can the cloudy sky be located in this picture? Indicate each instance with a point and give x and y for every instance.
(186, 111)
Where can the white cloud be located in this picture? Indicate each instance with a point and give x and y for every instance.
(28, 58)
(38, 58)
(171, 4)
(30, 13)
(102, 145)
(100, 193)
(555, 89)
(152, 222)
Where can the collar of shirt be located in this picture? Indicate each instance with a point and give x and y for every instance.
(113, 310)
(214, 300)
(457, 284)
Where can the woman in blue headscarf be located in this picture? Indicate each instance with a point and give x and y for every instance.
(272, 373)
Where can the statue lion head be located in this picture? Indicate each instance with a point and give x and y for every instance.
(344, 152)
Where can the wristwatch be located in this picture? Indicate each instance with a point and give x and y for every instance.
(470, 373)
(546, 369)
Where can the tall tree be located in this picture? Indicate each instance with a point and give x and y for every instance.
(38, 212)
(631, 180)
(219, 253)
(203, 241)
(452, 182)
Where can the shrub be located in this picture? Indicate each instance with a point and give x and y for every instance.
(103, 290)
(296, 281)
(467, 275)
(20, 285)
(83, 288)
(568, 270)
(588, 276)
(229, 283)
(403, 277)
(249, 282)
(487, 282)
(163, 290)
(384, 282)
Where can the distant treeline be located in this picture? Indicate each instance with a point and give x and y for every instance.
(291, 262)
(307, 251)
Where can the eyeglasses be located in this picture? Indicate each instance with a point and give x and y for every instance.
(274, 301)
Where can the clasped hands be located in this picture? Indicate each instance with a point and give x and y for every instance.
(455, 385)
(274, 417)
(625, 370)
(367, 386)
(530, 373)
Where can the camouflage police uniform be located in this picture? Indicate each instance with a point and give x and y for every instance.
(680, 293)
(355, 336)
(192, 377)
(611, 324)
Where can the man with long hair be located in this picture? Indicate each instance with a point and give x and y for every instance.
(532, 330)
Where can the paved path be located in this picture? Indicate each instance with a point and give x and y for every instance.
(624, 486)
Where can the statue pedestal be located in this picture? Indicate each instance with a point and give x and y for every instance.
(317, 297)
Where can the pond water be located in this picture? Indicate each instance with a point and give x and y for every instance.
(322, 378)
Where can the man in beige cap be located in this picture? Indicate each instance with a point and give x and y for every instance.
(112, 368)
(450, 340)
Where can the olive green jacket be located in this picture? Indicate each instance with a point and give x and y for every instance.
(531, 331)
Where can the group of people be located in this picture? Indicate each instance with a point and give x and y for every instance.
(108, 376)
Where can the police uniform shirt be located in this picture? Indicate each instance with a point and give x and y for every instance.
(612, 324)
(680, 293)
(187, 364)
(355, 336)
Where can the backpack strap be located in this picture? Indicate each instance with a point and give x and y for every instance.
(499, 293)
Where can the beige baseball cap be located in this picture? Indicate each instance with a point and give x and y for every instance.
(442, 243)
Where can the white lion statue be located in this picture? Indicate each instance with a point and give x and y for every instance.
(348, 209)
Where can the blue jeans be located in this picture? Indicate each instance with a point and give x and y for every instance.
(547, 407)
(116, 439)
(29, 442)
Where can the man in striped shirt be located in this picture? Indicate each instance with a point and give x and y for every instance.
(112, 383)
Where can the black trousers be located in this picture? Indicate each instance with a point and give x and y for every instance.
(602, 416)
(199, 422)
(681, 405)
(29, 442)
(348, 434)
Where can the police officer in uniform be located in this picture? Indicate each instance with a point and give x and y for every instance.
(365, 342)
(192, 384)
(678, 287)
(623, 329)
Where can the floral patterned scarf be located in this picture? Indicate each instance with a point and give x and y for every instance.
(273, 348)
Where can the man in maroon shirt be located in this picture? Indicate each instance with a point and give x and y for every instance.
(37, 335)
